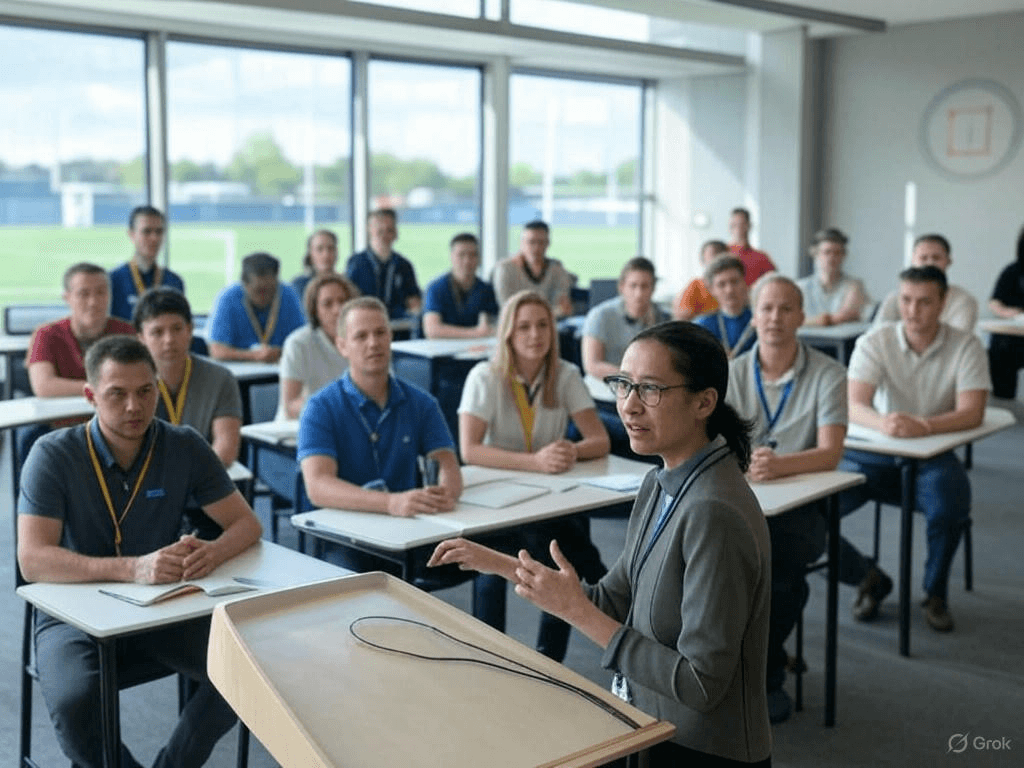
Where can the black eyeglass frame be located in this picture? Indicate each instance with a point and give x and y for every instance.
(644, 389)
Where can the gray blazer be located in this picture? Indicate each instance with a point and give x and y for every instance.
(695, 650)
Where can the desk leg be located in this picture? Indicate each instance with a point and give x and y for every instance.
(110, 715)
(831, 620)
(908, 489)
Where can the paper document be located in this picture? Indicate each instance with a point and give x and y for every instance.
(501, 493)
(147, 594)
(624, 483)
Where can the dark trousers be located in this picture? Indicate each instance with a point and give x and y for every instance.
(69, 678)
(1005, 358)
(668, 754)
(798, 540)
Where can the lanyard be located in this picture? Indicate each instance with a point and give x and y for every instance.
(140, 287)
(384, 291)
(176, 409)
(373, 433)
(773, 419)
(264, 334)
(106, 491)
(524, 405)
(730, 350)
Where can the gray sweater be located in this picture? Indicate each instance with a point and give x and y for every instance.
(694, 651)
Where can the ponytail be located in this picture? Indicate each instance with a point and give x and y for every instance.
(725, 421)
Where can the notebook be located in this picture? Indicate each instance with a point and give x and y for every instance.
(501, 493)
(148, 594)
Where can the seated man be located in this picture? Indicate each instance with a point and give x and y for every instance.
(755, 262)
(909, 379)
(612, 324)
(960, 309)
(361, 438)
(250, 320)
(56, 355)
(831, 296)
(796, 398)
(532, 270)
(695, 299)
(460, 305)
(103, 501)
(731, 323)
(1006, 351)
(384, 273)
(146, 228)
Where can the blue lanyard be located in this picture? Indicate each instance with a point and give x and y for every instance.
(373, 434)
(773, 419)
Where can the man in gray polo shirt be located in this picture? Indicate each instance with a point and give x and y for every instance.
(910, 379)
(103, 501)
(796, 398)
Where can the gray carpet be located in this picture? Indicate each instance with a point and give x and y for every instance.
(892, 711)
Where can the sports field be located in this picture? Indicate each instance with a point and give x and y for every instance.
(209, 256)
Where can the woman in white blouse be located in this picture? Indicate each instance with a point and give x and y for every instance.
(310, 359)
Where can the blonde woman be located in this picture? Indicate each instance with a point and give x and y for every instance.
(514, 413)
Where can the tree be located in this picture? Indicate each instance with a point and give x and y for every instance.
(523, 175)
(132, 175)
(261, 164)
(189, 170)
(626, 173)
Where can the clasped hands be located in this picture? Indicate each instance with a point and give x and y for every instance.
(187, 558)
(899, 424)
(555, 590)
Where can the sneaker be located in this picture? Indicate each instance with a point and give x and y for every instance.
(780, 706)
(871, 592)
(937, 614)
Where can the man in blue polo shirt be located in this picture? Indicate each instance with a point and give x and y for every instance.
(384, 273)
(731, 323)
(460, 305)
(103, 501)
(146, 229)
(251, 319)
(360, 438)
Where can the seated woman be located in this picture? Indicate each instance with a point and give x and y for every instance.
(514, 413)
(683, 614)
(310, 359)
(831, 296)
(321, 259)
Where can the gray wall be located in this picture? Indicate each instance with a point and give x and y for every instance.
(877, 88)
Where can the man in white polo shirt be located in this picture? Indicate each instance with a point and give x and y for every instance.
(909, 379)
(795, 397)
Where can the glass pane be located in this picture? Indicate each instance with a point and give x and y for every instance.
(580, 19)
(259, 144)
(469, 8)
(425, 156)
(574, 162)
(72, 155)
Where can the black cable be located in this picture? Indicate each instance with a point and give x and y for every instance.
(525, 670)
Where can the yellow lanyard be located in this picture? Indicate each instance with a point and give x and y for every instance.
(526, 410)
(175, 410)
(140, 287)
(106, 491)
(264, 334)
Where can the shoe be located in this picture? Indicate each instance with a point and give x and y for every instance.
(937, 614)
(780, 706)
(871, 592)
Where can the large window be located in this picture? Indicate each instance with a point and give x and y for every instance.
(567, 16)
(259, 146)
(575, 162)
(470, 8)
(72, 154)
(424, 137)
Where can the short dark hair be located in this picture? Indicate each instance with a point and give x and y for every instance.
(464, 237)
(829, 235)
(718, 245)
(160, 301)
(741, 212)
(307, 259)
(391, 213)
(119, 348)
(537, 224)
(82, 268)
(637, 264)
(312, 293)
(723, 264)
(144, 210)
(698, 357)
(939, 240)
(927, 274)
(259, 265)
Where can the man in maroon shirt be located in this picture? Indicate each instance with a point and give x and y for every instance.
(755, 262)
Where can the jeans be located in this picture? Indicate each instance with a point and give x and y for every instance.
(798, 540)
(69, 678)
(942, 493)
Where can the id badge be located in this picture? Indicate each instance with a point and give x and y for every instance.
(620, 687)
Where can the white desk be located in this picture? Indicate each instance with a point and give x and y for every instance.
(1002, 327)
(248, 375)
(396, 538)
(273, 433)
(599, 390)
(432, 349)
(27, 411)
(913, 450)
(107, 618)
(837, 338)
(786, 493)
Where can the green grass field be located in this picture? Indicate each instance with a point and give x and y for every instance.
(35, 257)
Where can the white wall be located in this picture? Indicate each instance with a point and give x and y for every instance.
(877, 90)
